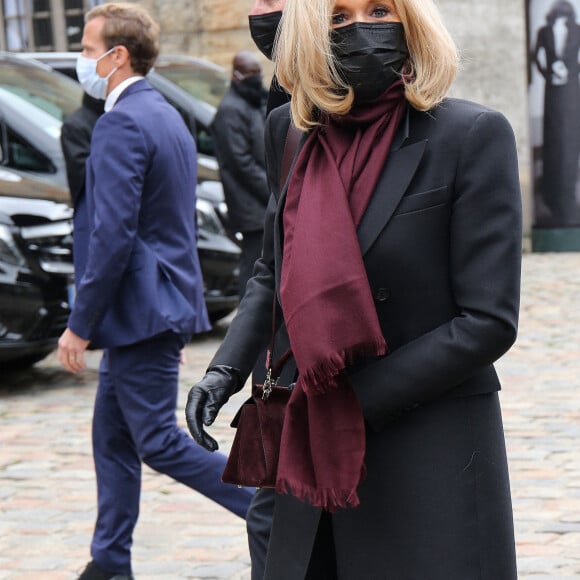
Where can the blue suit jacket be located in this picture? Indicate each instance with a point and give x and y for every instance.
(136, 264)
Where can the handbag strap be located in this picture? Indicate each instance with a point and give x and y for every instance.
(273, 371)
(291, 143)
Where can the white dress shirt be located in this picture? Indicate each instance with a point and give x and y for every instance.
(116, 92)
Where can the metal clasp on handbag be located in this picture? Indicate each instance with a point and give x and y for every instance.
(273, 370)
(268, 384)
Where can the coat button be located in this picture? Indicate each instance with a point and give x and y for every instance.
(382, 294)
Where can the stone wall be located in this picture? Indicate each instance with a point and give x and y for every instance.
(215, 29)
(491, 36)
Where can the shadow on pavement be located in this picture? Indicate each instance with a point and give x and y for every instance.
(41, 379)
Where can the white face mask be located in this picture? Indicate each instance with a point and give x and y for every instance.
(93, 84)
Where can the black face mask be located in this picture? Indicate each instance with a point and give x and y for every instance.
(263, 28)
(370, 56)
(252, 89)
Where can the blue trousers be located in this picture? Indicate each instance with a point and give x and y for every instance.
(134, 421)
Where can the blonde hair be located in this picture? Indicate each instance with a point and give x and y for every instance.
(131, 26)
(306, 67)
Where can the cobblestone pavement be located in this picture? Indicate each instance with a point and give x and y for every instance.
(47, 490)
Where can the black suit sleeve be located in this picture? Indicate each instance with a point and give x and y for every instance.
(76, 143)
(485, 263)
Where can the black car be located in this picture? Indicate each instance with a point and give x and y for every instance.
(36, 277)
(33, 101)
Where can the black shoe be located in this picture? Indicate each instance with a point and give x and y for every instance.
(93, 572)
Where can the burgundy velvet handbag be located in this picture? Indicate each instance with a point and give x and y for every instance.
(253, 459)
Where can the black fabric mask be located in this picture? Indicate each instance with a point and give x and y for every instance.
(263, 28)
(370, 56)
(251, 89)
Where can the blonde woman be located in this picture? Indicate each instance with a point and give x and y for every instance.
(394, 250)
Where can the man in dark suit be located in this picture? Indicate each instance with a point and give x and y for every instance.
(238, 130)
(139, 286)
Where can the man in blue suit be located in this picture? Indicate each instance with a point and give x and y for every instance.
(139, 285)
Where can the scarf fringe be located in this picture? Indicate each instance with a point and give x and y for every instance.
(326, 498)
(321, 378)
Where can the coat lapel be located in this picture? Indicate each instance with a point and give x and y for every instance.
(393, 182)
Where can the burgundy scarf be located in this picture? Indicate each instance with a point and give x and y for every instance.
(327, 302)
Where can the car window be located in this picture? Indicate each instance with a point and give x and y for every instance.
(53, 93)
(27, 109)
(22, 155)
(18, 152)
(206, 84)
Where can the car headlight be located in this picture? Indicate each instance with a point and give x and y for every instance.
(207, 218)
(223, 209)
(9, 252)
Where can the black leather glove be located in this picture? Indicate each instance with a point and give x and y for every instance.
(206, 398)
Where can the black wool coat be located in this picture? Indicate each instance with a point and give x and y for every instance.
(238, 130)
(441, 242)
